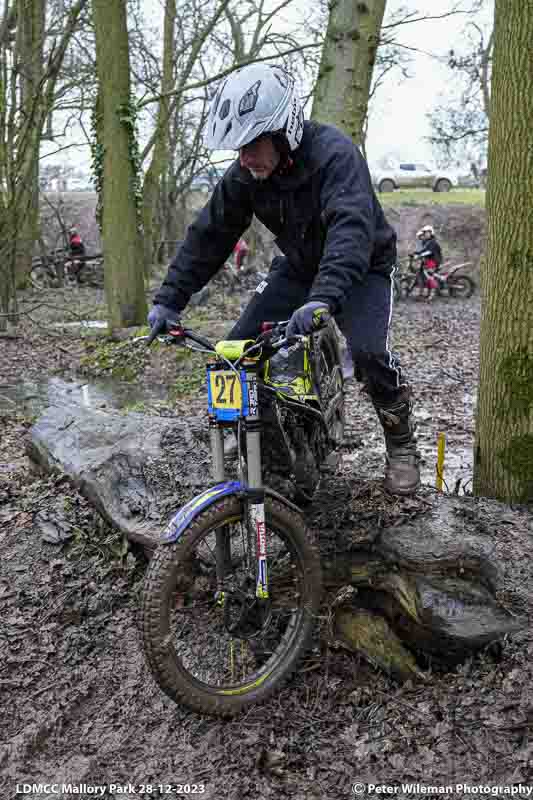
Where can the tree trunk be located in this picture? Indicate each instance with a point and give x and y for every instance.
(504, 436)
(124, 280)
(343, 85)
(159, 163)
(27, 85)
(30, 43)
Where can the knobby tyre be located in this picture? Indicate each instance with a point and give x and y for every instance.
(219, 659)
(461, 286)
(330, 381)
(42, 277)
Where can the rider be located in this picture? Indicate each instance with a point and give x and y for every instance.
(431, 249)
(240, 252)
(309, 184)
(75, 243)
(76, 251)
(432, 254)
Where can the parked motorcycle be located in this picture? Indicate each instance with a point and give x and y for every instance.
(449, 282)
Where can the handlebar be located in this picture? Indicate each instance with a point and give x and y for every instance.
(268, 342)
(176, 333)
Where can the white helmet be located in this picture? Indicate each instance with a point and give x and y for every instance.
(427, 229)
(256, 99)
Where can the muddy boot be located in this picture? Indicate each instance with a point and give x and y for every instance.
(402, 475)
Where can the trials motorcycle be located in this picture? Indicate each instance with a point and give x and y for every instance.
(233, 589)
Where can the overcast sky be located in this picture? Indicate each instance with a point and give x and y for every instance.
(398, 121)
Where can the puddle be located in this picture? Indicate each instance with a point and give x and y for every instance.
(35, 396)
(458, 466)
(110, 394)
(84, 323)
(368, 458)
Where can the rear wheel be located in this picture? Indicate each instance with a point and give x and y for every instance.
(330, 380)
(211, 644)
(461, 286)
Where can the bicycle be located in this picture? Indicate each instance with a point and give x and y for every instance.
(233, 589)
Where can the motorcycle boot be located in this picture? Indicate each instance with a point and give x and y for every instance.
(402, 474)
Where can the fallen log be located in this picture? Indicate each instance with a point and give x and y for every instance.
(456, 576)
(135, 469)
(450, 582)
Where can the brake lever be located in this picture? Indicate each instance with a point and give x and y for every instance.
(176, 335)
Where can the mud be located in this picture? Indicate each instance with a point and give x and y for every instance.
(79, 705)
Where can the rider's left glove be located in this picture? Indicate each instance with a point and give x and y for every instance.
(161, 313)
(308, 318)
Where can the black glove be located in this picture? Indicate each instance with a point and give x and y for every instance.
(163, 314)
(308, 318)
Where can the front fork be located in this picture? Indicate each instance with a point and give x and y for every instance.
(222, 542)
(255, 495)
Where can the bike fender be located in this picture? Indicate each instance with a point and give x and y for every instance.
(453, 270)
(188, 513)
(190, 510)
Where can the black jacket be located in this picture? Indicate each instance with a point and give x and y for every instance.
(432, 247)
(323, 211)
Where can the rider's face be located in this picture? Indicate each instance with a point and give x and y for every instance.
(260, 157)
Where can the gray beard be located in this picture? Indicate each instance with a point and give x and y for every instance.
(255, 176)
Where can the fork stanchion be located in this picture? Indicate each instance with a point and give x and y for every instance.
(441, 448)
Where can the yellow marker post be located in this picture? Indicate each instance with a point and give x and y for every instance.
(441, 447)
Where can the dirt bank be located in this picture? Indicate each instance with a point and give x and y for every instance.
(79, 704)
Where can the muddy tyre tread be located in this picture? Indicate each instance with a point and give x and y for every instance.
(174, 682)
(461, 280)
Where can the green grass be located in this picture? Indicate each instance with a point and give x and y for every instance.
(423, 197)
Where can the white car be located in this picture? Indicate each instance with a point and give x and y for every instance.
(408, 175)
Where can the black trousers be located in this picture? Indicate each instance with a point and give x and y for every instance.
(365, 322)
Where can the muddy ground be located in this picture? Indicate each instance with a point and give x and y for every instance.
(78, 703)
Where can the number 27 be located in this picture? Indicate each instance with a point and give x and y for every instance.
(220, 383)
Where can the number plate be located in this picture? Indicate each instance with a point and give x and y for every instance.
(226, 392)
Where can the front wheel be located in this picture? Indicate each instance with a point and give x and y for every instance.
(461, 286)
(211, 644)
(405, 284)
(43, 277)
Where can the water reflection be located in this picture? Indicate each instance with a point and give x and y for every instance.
(34, 397)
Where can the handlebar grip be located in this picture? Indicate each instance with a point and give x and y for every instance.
(321, 321)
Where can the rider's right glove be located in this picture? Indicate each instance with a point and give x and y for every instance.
(161, 313)
(308, 318)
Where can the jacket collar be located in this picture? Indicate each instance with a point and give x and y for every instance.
(303, 166)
